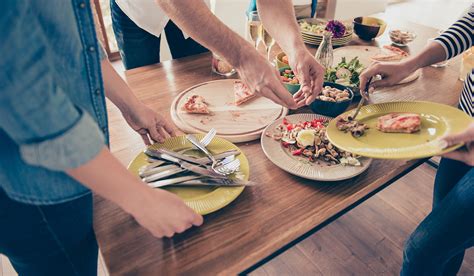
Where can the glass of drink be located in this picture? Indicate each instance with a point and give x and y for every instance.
(253, 25)
(267, 40)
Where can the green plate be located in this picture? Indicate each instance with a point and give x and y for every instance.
(203, 200)
(437, 120)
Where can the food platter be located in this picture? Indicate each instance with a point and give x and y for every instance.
(203, 200)
(437, 120)
(282, 158)
(235, 123)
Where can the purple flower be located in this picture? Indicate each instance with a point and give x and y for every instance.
(336, 28)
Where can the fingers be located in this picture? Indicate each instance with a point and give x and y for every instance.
(460, 155)
(144, 134)
(155, 134)
(462, 137)
(169, 128)
(197, 219)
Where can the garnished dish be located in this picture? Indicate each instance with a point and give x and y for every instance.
(337, 28)
(345, 73)
(399, 123)
(288, 76)
(401, 38)
(242, 93)
(332, 94)
(308, 140)
(196, 104)
(356, 128)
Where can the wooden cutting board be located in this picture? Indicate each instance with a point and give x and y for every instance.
(235, 123)
(365, 54)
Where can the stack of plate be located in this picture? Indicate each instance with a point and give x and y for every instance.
(316, 39)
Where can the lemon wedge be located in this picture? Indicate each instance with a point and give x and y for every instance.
(305, 138)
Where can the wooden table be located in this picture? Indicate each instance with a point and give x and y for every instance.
(264, 220)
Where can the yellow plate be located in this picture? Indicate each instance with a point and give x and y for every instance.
(437, 120)
(203, 200)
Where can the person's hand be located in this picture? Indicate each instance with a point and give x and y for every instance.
(263, 79)
(391, 72)
(466, 153)
(310, 74)
(150, 125)
(161, 212)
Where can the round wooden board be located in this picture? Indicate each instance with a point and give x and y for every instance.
(235, 123)
(365, 54)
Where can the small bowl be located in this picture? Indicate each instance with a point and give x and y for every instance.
(279, 62)
(332, 109)
(368, 28)
(401, 37)
(292, 88)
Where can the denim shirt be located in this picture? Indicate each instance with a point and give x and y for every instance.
(52, 106)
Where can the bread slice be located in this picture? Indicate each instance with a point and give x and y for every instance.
(241, 93)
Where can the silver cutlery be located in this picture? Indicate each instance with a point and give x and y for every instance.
(364, 98)
(154, 164)
(191, 138)
(198, 180)
(208, 138)
(199, 161)
(163, 174)
(156, 170)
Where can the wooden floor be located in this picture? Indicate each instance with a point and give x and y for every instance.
(369, 239)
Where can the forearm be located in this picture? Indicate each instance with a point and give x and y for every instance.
(116, 89)
(108, 178)
(431, 54)
(279, 20)
(217, 37)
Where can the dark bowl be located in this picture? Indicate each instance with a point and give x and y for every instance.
(368, 28)
(332, 109)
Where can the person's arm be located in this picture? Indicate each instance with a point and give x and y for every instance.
(197, 21)
(161, 212)
(279, 20)
(455, 40)
(53, 133)
(466, 153)
(141, 118)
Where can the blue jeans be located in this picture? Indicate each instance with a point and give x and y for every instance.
(49, 240)
(139, 48)
(437, 245)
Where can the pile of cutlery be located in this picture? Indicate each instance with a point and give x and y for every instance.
(167, 167)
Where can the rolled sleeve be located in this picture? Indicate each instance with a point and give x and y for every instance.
(50, 130)
(71, 149)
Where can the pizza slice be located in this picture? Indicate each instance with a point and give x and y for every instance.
(196, 104)
(242, 93)
(391, 53)
(399, 123)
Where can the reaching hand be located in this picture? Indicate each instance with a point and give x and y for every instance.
(310, 74)
(163, 213)
(149, 124)
(260, 77)
(466, 153)
(391, 72)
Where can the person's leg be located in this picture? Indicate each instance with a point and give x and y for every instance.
(445, 233)
(448, 174)
(49, 240)
(179, 46)
(137, 47)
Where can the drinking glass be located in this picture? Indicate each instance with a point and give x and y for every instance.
(253, 26)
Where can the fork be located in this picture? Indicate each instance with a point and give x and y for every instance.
(191, 138)
(207, 138)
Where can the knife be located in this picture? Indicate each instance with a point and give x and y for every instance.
(156, 170)
(187, 158)
(152, 165)
(183, 164)
(362, 101)
(163, 174)
(197, 180)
